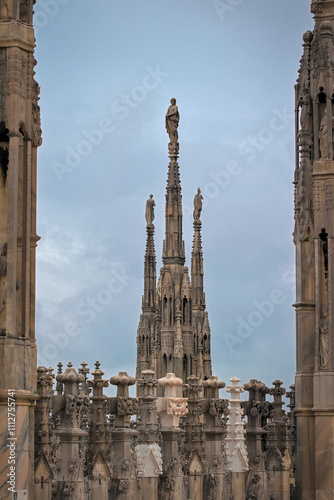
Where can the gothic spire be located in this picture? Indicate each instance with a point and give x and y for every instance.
(173, 246)
(150, 275)
(174, 333)
(197, 256)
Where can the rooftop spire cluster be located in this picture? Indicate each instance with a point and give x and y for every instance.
(174, 332)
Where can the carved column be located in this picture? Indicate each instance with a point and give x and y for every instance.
(195, 439)
(215, 412)
(292, 430)
(278, 460)
(171, 407)
(313, 413)
(237, 457)
(257, 410)
(98, 452)
(69, 409)
(124, 482)
(44, 460)
(19, 139)
(148, 450)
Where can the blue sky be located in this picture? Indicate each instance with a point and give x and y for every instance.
(107, 74)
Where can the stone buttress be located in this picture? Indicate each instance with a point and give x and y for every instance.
(20, 135)
(314, 240)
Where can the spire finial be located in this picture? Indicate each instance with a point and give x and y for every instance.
(150, 261)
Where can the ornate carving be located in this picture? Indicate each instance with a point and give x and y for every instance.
(36, 114)
(14, 70)
(124, 486)
(177, 407)
(147, 383)
(149, 459)
(304, 70)
(127, 406)
(76, 407)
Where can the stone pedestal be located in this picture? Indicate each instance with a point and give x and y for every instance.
(171, 408)
(16, 353)
(172, 485)
(17, 443)
(70, 408)
(149, 488)
(98, 489)
(148, 451)
(239, 484)
(237, 457)
(124, 484)
(20, 135)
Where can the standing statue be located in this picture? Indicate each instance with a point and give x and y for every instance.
(323, 136)
(149, 213)
(324, 339)
(172, 121)
(197, 204)
(306, 112)
(3, 283)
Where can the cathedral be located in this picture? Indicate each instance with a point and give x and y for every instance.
(186, 434)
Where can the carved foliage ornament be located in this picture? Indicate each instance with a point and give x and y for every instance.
(127, 406)
(177, 407)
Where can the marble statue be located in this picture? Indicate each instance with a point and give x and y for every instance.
(324, 340)
(323, 136)
(149, 213)
(198, 204)
(3, 278)
(306, 112)
(172, 121)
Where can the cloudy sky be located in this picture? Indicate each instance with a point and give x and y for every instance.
(107, 73)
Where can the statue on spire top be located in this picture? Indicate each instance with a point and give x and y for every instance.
(149, 213)
(198, 204)
(172, 121)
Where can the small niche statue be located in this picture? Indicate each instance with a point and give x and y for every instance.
(172, 121)
(3, 280)
(197, 204)
(306, 112)
(324, 339)
(323, 136)
(149, 213)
